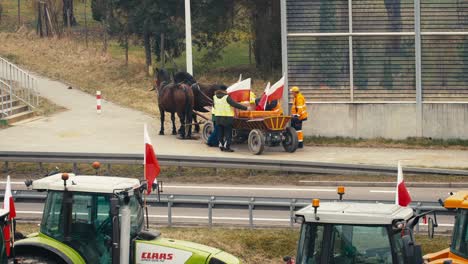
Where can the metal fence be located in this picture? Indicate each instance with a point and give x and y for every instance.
(252, 204)
(17, 85)
(391, 51)
(5, 102)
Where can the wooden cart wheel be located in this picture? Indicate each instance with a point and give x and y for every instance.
(207, 130)
(256, 141)
(290, 141)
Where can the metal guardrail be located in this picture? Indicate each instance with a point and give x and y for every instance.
(22, 85)
(5, 91)
(231, 202)
(216, 162)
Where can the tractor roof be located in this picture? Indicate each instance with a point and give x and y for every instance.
(356, 213)
(458, 200)
(85, 183)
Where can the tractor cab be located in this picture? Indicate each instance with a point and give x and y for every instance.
(348, 233)
(100, 219)
(458, 251)
(3, 221)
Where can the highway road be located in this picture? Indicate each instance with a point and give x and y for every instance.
(291, 191)
(262, 217)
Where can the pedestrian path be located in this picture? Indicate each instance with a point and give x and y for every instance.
(120, 130)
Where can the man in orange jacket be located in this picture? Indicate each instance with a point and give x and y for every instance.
(299, 113)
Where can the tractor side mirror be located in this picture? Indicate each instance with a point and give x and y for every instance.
(412, 252)
(430, 228)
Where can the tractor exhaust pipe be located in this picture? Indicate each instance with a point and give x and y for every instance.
(125, 232)
(114, 212)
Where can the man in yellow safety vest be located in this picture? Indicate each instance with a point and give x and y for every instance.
(299, 113)
(223, 106)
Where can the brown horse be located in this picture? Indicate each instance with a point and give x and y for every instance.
(174, 98)
(203, 94)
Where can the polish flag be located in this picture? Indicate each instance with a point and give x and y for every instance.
(402, 196)
(240, 91)
(263, 100)
(152, 168)
(276, 91)
(8, 205)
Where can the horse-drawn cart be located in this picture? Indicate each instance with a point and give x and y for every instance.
(260, 129)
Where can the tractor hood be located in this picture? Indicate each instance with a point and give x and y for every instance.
(171, 251)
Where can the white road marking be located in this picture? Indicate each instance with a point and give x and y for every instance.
(219, 218)
(12, 183)
(195, 217)
(247, 188)
(381, 191)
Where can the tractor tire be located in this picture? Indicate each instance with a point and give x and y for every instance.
(290, 141)
(256, 141)
(34, 259)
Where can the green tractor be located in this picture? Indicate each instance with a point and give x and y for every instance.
(3, 221)
(99, 219)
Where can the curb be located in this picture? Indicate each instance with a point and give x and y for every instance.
(457, 185)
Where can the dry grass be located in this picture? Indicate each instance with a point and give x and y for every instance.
(254, 246)
(47, 107)
(408, 143)
(209, 176)
(86, 69)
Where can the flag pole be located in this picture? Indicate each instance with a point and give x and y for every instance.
(144, 176)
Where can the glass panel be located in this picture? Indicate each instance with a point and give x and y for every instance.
(384, 68)
(360, 244)
(320, 67)
(52, 224)
(310, 244)
(314, 16)
(460, 234)
(398, 246)
(383, 16)
(137, 216)
(91, 227)
(447, 15)
(444, 68)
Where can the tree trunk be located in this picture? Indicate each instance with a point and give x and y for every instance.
(39, 20)
(19, 14)
(68, 14)
(147, 44)
(163, 51)
(126, 47)
(267, 31)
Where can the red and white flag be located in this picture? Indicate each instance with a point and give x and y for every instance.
(8, 205)
(276, 91)
(402, 196)
(263, 100)
(152, 168)
(240, 91)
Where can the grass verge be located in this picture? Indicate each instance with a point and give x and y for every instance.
(175, 175)
(253, 246)
(410, 143)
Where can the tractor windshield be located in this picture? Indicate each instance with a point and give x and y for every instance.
(3, 256)
(460, 234)
(84, 224)
(348, 244)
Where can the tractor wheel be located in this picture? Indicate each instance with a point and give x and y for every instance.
(290, 140)
(256, 141)
(207, 130)
(33, 259)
